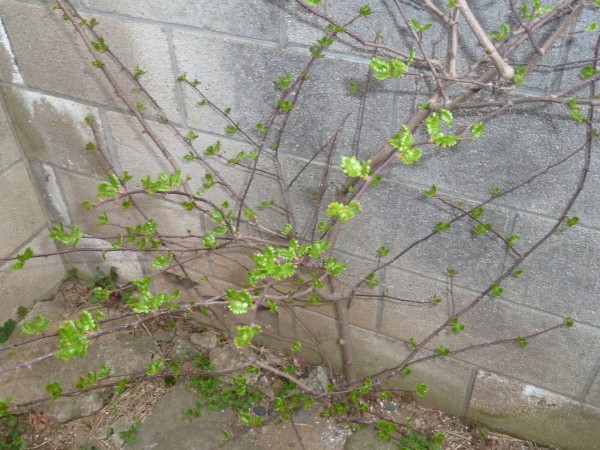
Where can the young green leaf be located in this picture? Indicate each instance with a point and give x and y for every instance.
(352, 167)
(483, 228)
(419, 26)
(442, 226)
(410, 155)
(22, 258)
(443, 350)
(383, 251)
(496, 290)
(402, 140)
(588, 71)
(522, 341)
(477, 130)
(571, 221)
(285, 105)
(380, 68)
(576, 111)
(35, 326)
(365, 10)
(54, 389)
(245, 335)
(154, 367)
(343, 212)
(520, 75)
(412, 343)
(446, 140)
(513, 239)
(431, 192)
(397, 68)
(352, 88)
(421, 389)
(334, 267)
(502, 33)
(285, 80)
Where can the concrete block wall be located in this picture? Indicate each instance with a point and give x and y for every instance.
(237, 50)
(23, 223)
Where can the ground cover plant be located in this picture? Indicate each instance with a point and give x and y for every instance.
(285, 243)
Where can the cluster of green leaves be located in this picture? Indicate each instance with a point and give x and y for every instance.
(143, 235)
(146, 301)
(6, 330)
(245, 334)
(275, 262)
(420, 26)
(403, 142)
(520, 75)
(73, 334)
(536, 9)
(22, 258)
(164, 182)
(36, 325)
(288, 400)
(409, 441)
(417, 441)
(65, 236)
(502, 34)
(129, 436)
(11, 429)
(240, 301)
(385, 68)
(92, 378)
(352, 167)
(343, 212)
(216, 395)
(434, 123)
(576, 113)
(588, 71)
(456, 327)
(100, 45)
(108, 189)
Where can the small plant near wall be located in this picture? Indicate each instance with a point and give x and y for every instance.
(292, 256)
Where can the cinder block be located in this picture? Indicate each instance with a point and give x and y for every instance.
(232, 264)
(304, 28)
(593, 397)
(22, 215)
(66, 68)
(10, 151)
(228, 68)
(44, 178)
(561, 360)
(305, 192)
(255, 19)
(79, 188)
(53, 130)
(561, 276)
(525, 410)
(398, 216)
(141, 158)
(448, 380)
(320, 333)
(36, 280)
(579, 47)
(126, 262)
(508, 153)
(403, 318)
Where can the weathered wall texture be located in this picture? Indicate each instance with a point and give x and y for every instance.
(237, 49)
(23, 221)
